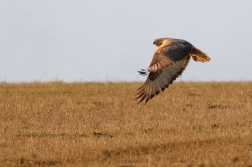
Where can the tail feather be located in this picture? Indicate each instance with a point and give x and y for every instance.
(198, 55)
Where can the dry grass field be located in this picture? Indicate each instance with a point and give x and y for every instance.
(98, 124)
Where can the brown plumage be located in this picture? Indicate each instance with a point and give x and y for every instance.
(169, 61)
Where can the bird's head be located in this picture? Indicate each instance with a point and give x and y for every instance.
(158, 42)
(162, 41)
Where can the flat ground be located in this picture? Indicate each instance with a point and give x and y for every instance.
(98, 124)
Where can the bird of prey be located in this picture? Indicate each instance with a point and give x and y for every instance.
(169, 61)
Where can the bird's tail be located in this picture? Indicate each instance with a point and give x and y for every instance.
(198, 55)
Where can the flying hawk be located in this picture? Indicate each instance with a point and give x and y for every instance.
(169, 61)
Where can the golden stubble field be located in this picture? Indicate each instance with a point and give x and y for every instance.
(98, 124)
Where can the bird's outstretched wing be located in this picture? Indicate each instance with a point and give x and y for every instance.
(169, 61)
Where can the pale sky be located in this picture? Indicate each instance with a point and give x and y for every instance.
(79, 41)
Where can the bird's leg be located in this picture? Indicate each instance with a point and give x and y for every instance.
(143, 72)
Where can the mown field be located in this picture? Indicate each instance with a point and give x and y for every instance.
(98, 124)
